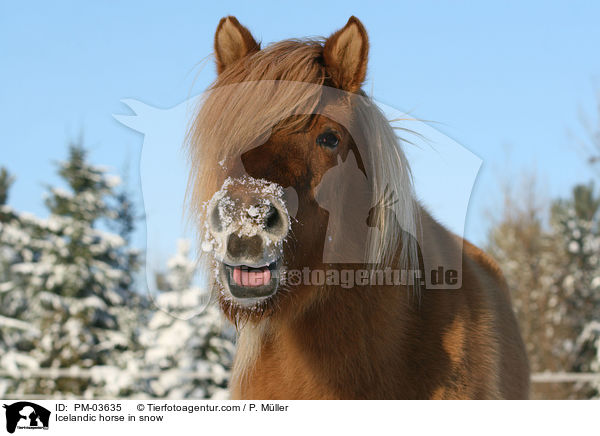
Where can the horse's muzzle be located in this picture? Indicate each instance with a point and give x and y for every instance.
(247, 223)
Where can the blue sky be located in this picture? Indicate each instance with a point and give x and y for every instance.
(492, 76)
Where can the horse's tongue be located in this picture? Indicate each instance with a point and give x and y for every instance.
(254, 277)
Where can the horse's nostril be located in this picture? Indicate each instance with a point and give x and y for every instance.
(273, 219)
(215, 219)
(266, 215)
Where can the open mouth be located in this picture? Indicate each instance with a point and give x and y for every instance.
(252, 283)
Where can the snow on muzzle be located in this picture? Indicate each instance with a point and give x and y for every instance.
(247, 221)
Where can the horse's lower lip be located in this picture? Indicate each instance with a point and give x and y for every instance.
(252, 291)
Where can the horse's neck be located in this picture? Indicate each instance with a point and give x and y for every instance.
(249, 344)
(344, 337)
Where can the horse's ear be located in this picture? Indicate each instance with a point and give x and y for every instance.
(345, 55)
(232, 42)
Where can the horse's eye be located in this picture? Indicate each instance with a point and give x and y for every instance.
(328, 139)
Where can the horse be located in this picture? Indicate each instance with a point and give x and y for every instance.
(267, 144)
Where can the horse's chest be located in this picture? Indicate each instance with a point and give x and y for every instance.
(286, 374)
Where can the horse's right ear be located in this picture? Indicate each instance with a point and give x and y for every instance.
(232, 42)
(345, 54)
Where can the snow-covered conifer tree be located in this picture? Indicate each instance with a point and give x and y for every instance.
(191, 351)
(554, 275)
(71, 279)
(577, 224)
(16, 336)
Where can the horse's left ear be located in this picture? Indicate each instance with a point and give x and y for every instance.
(345, 55)
(232, 42)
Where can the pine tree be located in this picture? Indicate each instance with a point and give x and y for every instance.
(72, 280)
(180, 342)
(588, 355)
(6, 180)
(16, 336)
(554, 275)
(577, 224)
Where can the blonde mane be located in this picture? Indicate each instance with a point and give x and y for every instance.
(287, 81)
